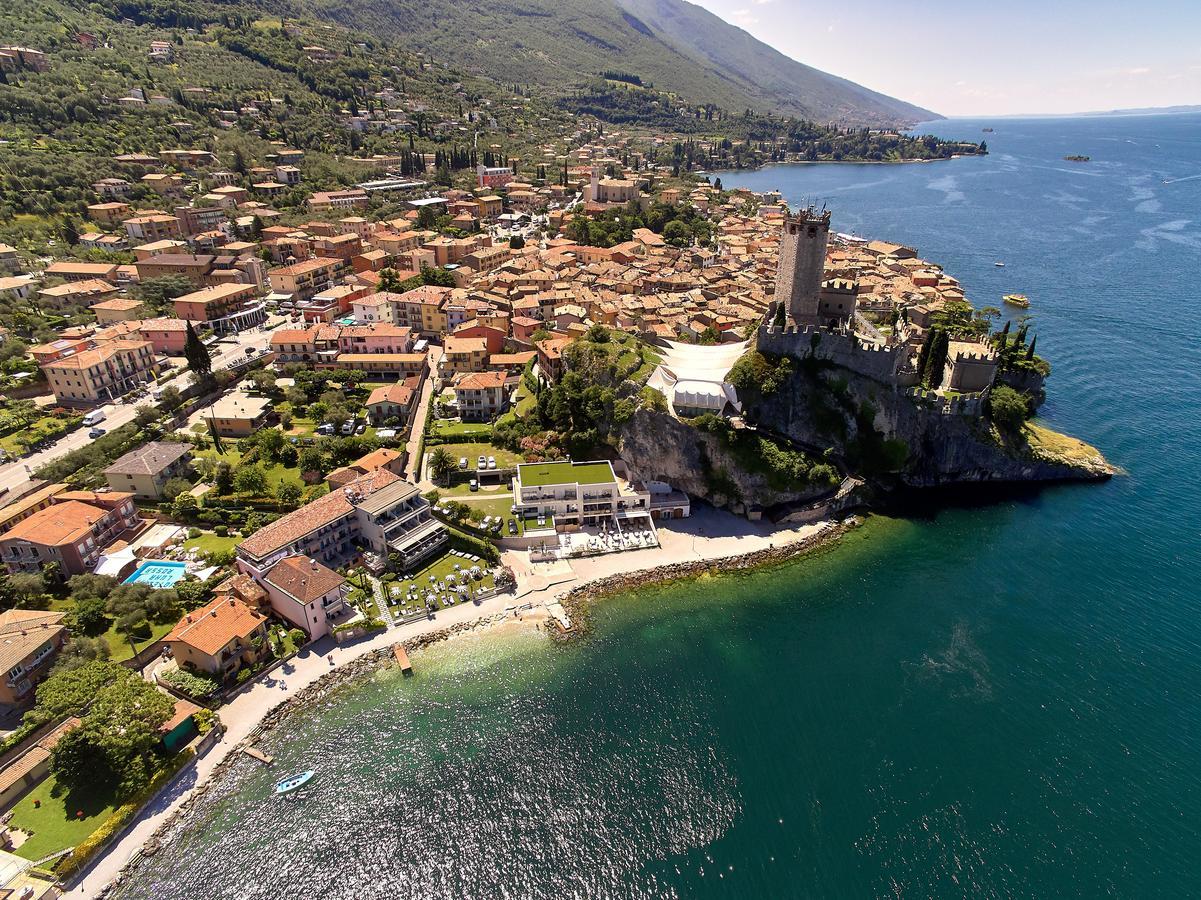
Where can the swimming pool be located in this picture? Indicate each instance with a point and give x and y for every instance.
(158, 573)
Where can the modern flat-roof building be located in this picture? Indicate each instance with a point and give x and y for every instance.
(576, 493)
(238, 414)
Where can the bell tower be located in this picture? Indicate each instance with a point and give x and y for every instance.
(802, 262)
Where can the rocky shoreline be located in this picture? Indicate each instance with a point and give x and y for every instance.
(578, 600)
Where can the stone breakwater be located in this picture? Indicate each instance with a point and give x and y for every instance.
(577, 601)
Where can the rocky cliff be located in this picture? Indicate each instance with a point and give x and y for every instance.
(658, 447)
(889, 433)
(886, 435)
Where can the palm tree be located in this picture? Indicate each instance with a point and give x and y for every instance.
(441, 464)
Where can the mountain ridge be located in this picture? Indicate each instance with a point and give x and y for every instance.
(678, 46)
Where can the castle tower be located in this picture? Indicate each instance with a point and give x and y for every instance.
(802, 262)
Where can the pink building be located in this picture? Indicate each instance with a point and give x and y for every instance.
(167, 335)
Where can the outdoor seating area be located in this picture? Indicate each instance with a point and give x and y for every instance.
(455, 578)
(612, 536)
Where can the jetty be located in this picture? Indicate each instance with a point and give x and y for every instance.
(402, 658)
(255, 753)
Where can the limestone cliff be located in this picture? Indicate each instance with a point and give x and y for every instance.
(658, 447)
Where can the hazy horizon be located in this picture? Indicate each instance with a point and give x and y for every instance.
(1025, 58)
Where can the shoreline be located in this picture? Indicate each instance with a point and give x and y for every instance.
(327, 667)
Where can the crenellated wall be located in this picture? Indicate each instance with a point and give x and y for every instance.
(876, 361)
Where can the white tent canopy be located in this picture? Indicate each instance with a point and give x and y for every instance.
(692, 376)
(113, 563)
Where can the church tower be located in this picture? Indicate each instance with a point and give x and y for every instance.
(802, 262)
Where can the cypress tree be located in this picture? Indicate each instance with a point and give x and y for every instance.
(1030, 349)
(923, 358)
(197, 354)
(938, 359)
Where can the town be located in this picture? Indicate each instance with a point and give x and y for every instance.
(254, 419)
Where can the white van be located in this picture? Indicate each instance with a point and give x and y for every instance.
(95, 417)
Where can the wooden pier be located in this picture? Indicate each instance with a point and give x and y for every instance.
(256, 753)
(402, 659)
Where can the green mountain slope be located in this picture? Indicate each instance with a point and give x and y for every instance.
(672, 44)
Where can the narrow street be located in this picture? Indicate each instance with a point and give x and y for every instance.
(413, 465)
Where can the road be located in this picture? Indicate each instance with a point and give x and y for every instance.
(413, 468)
(15, 476)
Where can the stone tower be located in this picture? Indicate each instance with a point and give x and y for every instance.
(802, 262)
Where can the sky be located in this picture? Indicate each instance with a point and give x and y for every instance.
(969, 58)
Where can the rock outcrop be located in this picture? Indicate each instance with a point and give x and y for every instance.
(658, 447)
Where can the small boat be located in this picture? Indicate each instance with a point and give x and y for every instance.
(292, 783)
(999, 264)
(1017, 300)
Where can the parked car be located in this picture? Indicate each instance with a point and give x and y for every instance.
(474, 485)
(462, 462)
(251, 351)
(491, 462)
(96, 416)
(96, 432)
(512, 526)
(360, 429)
(348, 427)
(325, 428)
(482, 462)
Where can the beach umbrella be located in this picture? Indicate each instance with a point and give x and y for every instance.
(433, 578)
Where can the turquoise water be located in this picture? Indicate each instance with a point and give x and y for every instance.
(158, 573)
(987, 700)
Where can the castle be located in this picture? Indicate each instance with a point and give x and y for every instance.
(814, 317)
(802, 262)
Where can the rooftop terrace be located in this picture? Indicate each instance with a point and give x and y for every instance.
(542, 474)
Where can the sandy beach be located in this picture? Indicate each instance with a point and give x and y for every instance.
(709, 535)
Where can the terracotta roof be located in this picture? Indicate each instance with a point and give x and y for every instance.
(480, 380)
(377, 459)
(305, 579)
(61, 523)
(295, 525)
(396, 393)
(215, 624)
(183, 709)
(22, 631)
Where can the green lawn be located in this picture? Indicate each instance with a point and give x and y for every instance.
(118, 643)
(490, 506)
(211, 543)
(16, 442)
(466, 430)
(440, 568)
(54, 824)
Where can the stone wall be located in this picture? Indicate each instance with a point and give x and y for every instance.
(875, 361)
